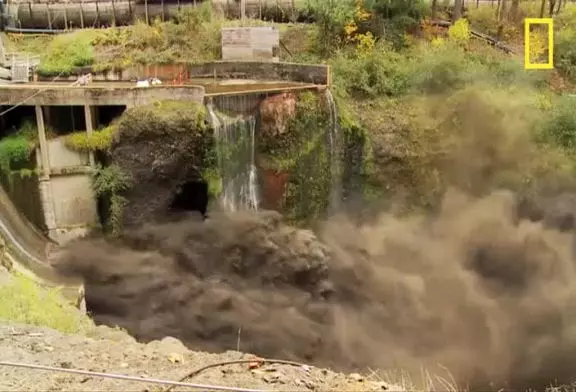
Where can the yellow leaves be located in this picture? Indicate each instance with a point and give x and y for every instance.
(460, 31)
(437, 42)
(538, 45)
(350, 29)
(360, 13)
(364, 41)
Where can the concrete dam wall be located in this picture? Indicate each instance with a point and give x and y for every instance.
(61, 15)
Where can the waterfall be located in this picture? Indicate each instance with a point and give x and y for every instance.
(334, 144)
(235, 147)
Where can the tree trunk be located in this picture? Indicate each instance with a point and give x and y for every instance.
(551, 8)
(434, 9)
(559, 6)
(542, 8)
(457, 14)
(501, 10)
(514, 11)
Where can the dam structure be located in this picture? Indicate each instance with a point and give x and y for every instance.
(57, 203)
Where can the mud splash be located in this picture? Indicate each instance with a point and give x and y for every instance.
(476, 288)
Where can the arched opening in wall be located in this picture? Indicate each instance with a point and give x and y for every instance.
(104, 115)
(16, 118)
(63, 120)
(191, 196)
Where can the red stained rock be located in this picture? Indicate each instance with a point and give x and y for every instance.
(274, 188)
(276, 111)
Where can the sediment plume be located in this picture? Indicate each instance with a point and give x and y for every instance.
(474, 288)
(483, 285)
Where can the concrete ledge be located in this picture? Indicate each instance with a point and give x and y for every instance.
(67, 171)
(256, 70)
(110, 94)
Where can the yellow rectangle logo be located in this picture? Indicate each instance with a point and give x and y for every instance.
(541, 21)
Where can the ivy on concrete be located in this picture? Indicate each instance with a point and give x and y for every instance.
(110, 182)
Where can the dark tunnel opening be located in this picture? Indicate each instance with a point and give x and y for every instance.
(192, 196)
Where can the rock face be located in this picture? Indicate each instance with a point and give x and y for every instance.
(274, 188)
(275, 112)
(162, 146)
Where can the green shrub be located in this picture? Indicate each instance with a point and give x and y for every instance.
(560, 127)
(100, 140)
(381, 72)
(24, 301)
(14, 150)
(331, 17)
(439, 69)
(67, 52)
(565, 52)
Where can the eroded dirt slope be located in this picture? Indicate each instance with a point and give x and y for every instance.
(113, 351)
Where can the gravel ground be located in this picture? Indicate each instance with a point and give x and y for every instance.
(112, 351)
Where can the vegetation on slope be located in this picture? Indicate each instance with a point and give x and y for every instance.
(390, 65)
(24, 301)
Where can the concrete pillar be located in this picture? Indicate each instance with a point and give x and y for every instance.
(43, 161)
(43, 144)
(89, 129)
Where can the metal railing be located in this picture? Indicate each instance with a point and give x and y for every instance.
(21, 65)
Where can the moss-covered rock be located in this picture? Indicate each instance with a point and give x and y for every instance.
(161, 146)
(302, 155)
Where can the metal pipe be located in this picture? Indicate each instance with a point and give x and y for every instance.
(129, 378)
(8, 29)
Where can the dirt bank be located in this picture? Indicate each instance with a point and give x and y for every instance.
(112, 351)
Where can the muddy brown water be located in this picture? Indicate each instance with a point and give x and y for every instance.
(476, 288)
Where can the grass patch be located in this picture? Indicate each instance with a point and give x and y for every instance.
(67, 52)
(100, 140)
(23, 301)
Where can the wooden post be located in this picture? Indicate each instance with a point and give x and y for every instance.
(146, 11)
(113, 13)
(81, 14)
(89, 130)
(97, 21)
(49, 16)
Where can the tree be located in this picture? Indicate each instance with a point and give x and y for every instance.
(434, 9)
(542, 8)
(514, 10)
(551, 8)
(457, 14)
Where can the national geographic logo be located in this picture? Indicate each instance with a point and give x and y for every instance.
(537, 51)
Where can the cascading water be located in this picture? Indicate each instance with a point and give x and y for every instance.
(334, 142)
(235, 146)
